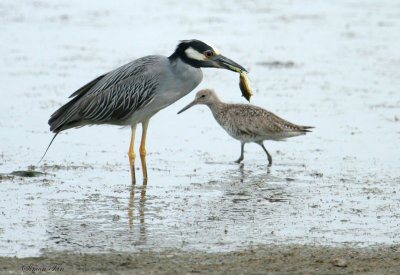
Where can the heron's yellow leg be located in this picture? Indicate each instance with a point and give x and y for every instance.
(142, 149)
(132, 155)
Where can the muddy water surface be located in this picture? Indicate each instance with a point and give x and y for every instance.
(334, 66)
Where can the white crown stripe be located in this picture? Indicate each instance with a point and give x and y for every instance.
(193, 54)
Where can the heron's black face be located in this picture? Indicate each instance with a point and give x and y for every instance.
(199, 54)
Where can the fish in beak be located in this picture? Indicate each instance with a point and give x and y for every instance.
(244, 85)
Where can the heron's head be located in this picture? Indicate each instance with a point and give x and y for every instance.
(206, 97)
(200, 54)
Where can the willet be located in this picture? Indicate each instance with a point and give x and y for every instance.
(248, 123)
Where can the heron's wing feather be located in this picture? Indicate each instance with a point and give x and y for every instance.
(119, 101)
(87, 87)
(111, 96)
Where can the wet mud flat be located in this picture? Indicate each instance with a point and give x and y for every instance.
(259, 260)
(330, 204)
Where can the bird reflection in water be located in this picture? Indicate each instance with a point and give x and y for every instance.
(243, 175)
(142, 201)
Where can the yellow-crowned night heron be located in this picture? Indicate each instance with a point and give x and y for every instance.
(133, 93)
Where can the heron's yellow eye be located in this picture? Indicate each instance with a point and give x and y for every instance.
(208, 54)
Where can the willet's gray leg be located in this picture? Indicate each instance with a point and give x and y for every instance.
(241, 154)
(269, 156)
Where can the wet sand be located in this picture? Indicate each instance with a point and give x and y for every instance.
(257, 260)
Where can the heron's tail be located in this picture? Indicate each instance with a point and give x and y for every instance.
(48, 147)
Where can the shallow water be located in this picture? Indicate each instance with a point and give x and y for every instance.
(338, 185)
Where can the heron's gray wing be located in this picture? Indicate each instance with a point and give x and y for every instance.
(134, 68)
(119, 101)
(59, 116)
(87, 87)
(111, 96)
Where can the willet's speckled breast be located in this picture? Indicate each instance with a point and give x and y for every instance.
(248, 123)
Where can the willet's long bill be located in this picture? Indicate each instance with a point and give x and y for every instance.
(248, 123)
(133, 93)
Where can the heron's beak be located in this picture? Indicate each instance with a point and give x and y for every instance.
(226, 63)
(188, 106)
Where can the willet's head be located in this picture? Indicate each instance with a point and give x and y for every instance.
(205, 96)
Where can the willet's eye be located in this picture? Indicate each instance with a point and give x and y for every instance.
(208, 54)
(202, 96)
